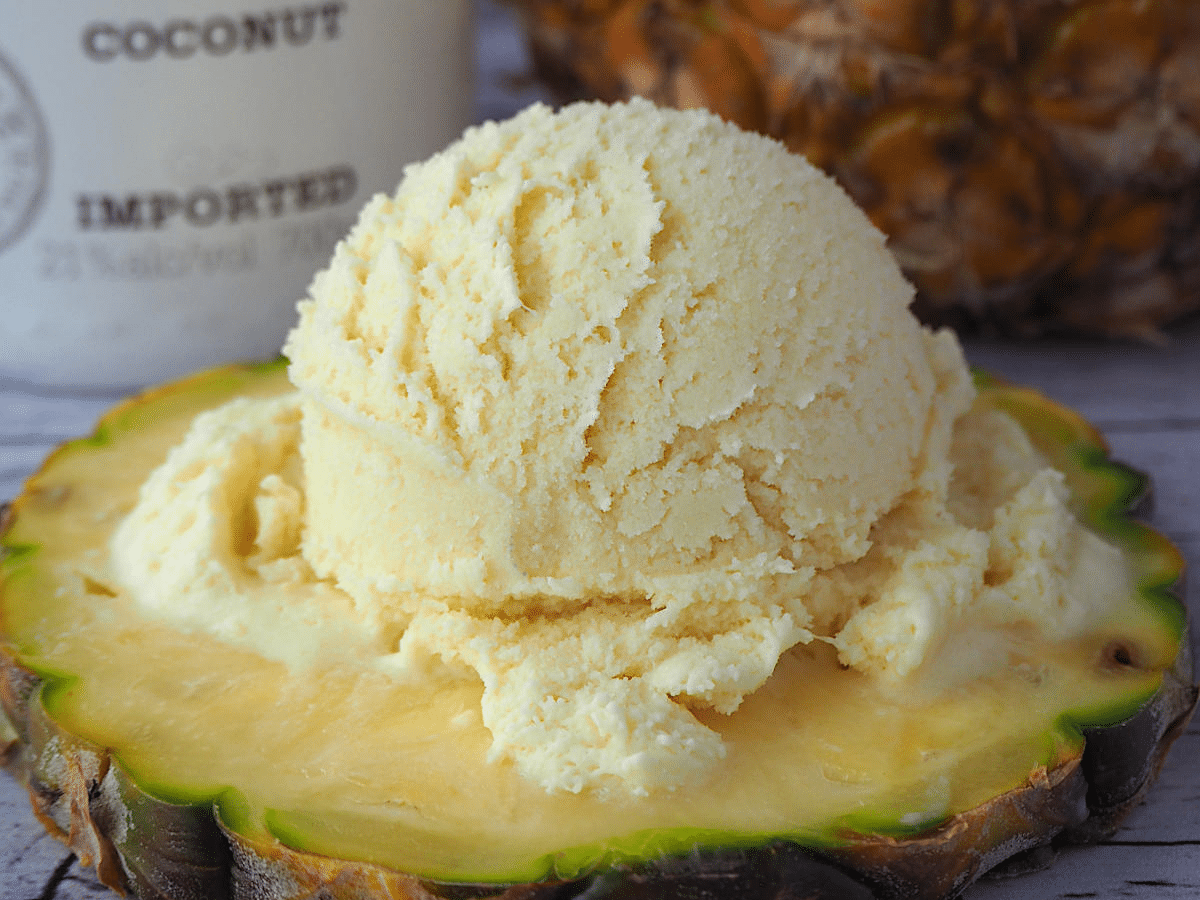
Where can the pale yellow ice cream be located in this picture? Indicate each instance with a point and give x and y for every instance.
(608, 409)
(576, 356)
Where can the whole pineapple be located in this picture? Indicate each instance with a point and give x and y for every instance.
(1035, 163)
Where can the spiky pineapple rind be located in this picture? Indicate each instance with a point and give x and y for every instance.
(1035, 165)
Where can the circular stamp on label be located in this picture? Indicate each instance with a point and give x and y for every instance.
(24, 156)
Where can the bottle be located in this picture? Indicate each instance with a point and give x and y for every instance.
(173, 172)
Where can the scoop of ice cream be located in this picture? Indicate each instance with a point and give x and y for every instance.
(607, 409)
(589, 401)
(615, 352)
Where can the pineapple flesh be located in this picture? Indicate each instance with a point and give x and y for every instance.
(183, 767)
(1035, 164)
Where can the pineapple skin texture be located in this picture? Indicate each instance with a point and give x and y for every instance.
(1035, 164)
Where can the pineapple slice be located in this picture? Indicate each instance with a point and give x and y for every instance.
(184, 767)
(1035, 164)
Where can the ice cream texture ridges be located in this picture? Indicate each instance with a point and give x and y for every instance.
(608, 408)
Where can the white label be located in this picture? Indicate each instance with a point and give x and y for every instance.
(172, 174)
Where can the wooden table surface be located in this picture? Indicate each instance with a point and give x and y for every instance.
(1145, 399)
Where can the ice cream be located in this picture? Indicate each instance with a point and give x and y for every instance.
(609, 408)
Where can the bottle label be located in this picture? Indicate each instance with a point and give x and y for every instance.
(172, 174)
